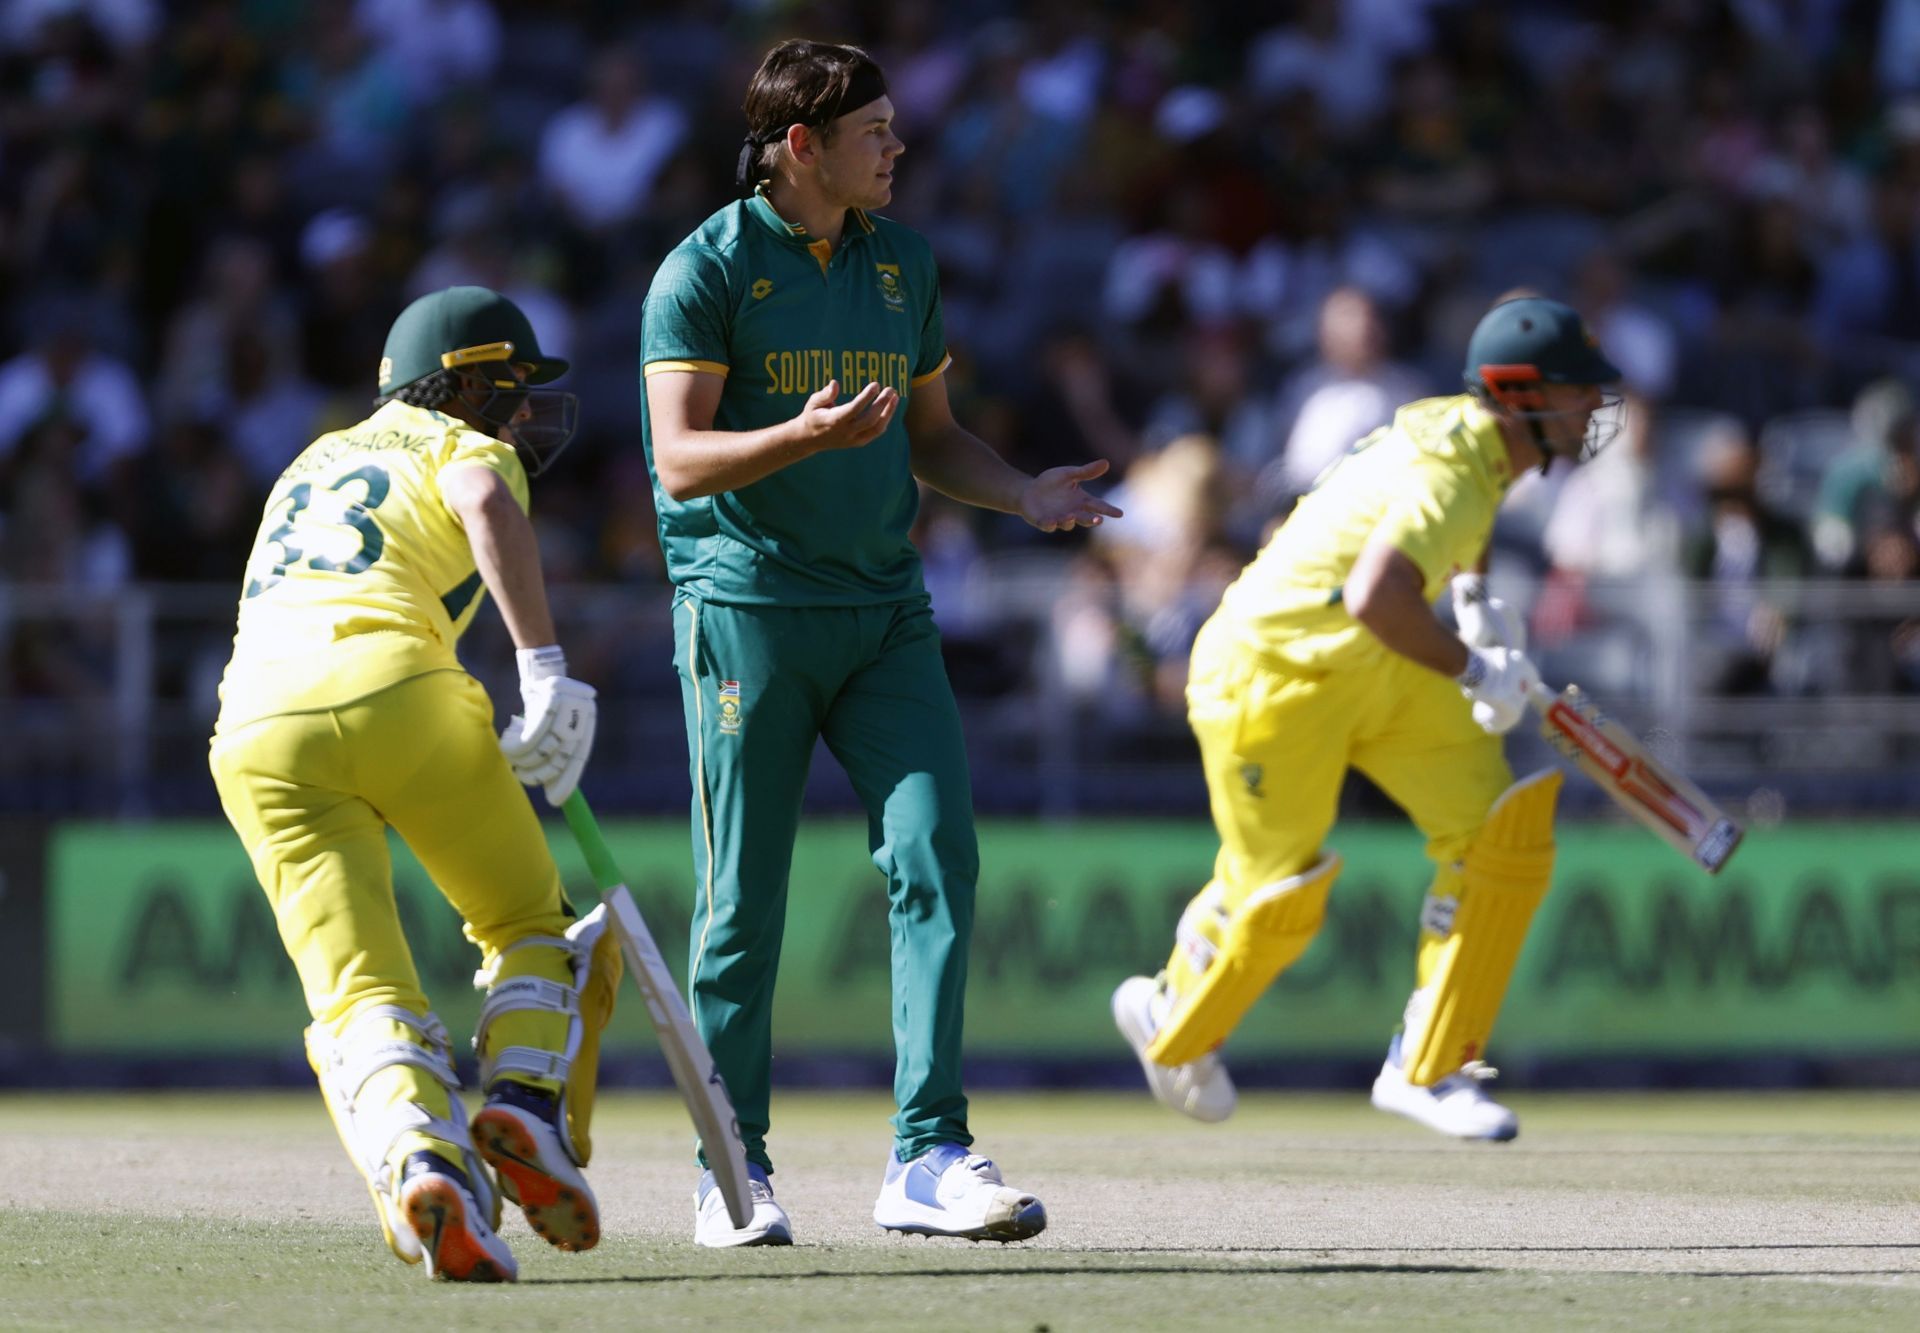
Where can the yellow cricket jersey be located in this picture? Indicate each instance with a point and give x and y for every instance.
(1429, 483)
(360, 576)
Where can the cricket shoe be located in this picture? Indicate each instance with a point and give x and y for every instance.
(714, 1228)
(1201, 1088)
(948, 1191)
(1458, 1104)
(437, 1200)
(516, 1133)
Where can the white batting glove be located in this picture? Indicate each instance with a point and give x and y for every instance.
(548, 746)
(1484, 620)
(1497, 680)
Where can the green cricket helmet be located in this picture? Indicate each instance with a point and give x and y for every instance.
(1530, 341)
(466, 343)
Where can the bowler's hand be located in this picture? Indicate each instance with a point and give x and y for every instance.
(827, 423)
(1054, 502)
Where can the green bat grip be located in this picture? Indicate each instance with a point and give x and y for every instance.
(586, 832)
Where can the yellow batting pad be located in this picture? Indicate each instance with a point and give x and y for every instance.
(1471, 932)
(596, 1011)
(548, 997)
(1226, 957)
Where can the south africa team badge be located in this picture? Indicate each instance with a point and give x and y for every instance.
(890, 290)
(729, 706)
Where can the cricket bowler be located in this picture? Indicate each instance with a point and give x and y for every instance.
(793, 362)
(1326, 654)
(345, 712)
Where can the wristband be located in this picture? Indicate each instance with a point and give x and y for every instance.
(1469, 588)
(541, 663)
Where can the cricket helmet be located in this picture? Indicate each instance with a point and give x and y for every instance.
(465, 342)
(1529, 341)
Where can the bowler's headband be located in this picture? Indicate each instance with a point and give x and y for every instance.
(867, 85)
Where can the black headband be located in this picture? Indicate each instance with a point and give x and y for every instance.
(867, 85)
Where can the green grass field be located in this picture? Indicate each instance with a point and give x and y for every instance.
(1758, 1211)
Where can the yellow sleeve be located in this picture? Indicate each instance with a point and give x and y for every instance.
(1440, 519)
(472, 449)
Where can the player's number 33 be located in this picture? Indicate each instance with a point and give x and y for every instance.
(354, 513)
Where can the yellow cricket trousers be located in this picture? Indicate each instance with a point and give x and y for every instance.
(311, 795)
(1276, 744)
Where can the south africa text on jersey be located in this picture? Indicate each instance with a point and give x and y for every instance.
(806, 370)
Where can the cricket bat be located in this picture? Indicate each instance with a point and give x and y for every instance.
(1653, 793)
(701, 1086)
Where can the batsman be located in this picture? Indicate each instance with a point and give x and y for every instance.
(345, 712)
(1326, 654)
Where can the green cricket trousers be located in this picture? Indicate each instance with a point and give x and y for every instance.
(759, 684)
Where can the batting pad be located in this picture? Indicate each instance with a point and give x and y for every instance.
(547, 1001)
(388, 1079)
(1226, 957)
(1470, 938)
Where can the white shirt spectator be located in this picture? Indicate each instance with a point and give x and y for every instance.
(102, 395)
(1608, 520)
(435, 44)
(1337, 411)
(604, 168)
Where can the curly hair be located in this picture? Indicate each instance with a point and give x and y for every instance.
(429, 391)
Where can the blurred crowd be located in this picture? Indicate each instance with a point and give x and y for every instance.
(1214, 244)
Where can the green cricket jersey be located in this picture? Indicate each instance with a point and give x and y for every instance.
(751, 297)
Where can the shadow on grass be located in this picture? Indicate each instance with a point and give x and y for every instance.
(1054, 1270)
(1787, 1248)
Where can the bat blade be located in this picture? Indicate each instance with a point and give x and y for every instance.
(691, 1063)
(1653, 792)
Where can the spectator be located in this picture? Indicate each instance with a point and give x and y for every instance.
(345, 316)
(601, 156)
(1740, 548)
(236, 297)
(436, 45)
(1636, 339)
(1352, 389)
(352, 100)
(67, 376)
(269, 414)
(1216, 396)
(1341, 53)
(1875, 481)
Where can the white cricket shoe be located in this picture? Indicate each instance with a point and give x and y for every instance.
(515, 1133)
(1202, 1088)
(948, 1191)
(437, 1199)
(1458, 1104)
(713, 1228)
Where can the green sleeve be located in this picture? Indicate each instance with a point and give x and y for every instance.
(932, 353)
(689, 311)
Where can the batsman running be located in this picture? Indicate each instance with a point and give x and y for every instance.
(793, 359)
(1326, 654)
(344, 711)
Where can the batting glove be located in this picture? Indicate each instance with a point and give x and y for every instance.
(1484, 620)
(1498, 681)
(548, 745)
